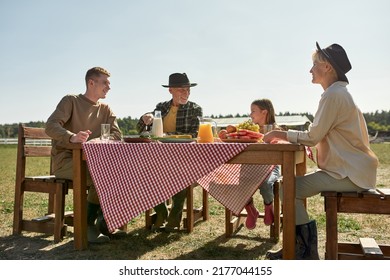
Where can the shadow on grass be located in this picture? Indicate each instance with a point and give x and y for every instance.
(218, 249)
(139, 243)
(32, 246)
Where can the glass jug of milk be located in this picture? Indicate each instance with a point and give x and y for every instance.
(157, 127)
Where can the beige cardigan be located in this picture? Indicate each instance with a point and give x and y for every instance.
(340, 135)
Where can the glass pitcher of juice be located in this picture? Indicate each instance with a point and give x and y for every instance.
(207, 130)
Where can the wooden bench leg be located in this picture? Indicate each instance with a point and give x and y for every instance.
(59, 210)
(331, 246)
(195, 214)
(228, 226)
(18, 210)
(51, 204)
(366, 202)
(232, 223)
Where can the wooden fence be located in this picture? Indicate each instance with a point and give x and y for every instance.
(36, 142)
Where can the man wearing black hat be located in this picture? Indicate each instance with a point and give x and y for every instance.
(339, 133)
(180, 116)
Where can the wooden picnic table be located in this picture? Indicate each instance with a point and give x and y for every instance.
(290, 156)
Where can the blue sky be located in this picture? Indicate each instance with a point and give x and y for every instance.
(236, 51)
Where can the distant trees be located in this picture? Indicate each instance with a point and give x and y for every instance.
(376, 121)
(128, 126)
(307, 114)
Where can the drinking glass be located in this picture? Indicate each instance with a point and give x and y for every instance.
(267, 128)
(105, 132)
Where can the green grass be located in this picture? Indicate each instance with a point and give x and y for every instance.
(383, 152)
(206, 242)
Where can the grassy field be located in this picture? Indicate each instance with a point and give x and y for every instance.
(207, 242)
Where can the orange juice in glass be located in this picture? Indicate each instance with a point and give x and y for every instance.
(205, 133)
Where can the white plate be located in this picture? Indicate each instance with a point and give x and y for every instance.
(176, 140)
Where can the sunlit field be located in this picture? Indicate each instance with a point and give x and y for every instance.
(207, 241)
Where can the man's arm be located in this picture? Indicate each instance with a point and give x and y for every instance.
(55, 123)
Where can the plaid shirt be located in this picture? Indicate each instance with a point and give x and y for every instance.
(186, 120)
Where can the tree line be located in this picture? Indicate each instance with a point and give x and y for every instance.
(376, 121)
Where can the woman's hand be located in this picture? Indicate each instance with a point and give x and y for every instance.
(275, 134)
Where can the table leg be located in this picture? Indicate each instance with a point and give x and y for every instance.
(205, 207)
(228, 223)
(79, 201)
(190, 208)
(288, 171)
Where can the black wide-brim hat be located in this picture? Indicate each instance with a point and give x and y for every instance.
(338, 58)
(179, 80)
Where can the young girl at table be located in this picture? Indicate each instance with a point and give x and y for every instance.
(263, 113)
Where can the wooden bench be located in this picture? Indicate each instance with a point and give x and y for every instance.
(234, 223)
(368, 202)
(53, 222)
(192, 214)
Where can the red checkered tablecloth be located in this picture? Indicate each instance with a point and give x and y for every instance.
(233, 184)
(132, 178)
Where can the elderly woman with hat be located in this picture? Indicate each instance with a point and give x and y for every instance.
(339, 134)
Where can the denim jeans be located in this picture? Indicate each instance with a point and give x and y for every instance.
(267, 187)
